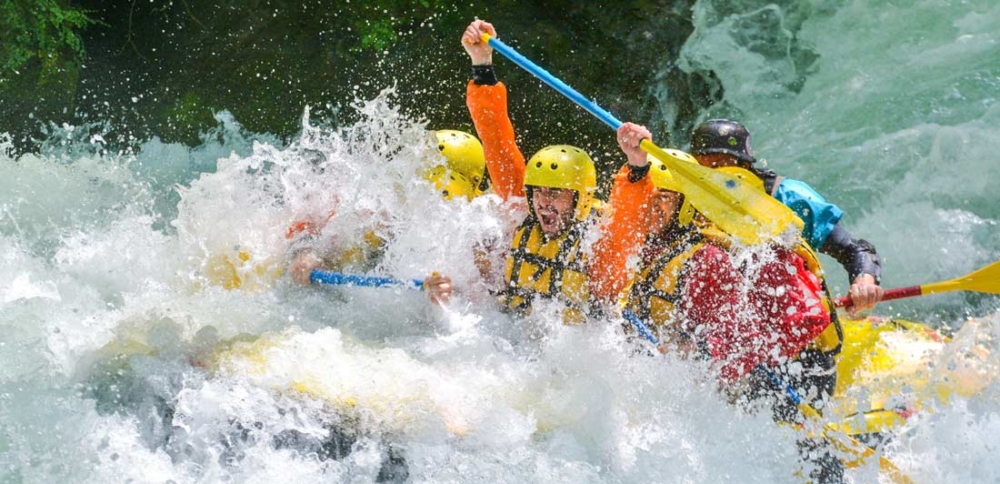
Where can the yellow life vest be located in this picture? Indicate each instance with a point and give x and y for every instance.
(362, 257)
(550, 268)
(655, 292)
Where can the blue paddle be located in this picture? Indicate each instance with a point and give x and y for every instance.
(318, 276)
(736, 207)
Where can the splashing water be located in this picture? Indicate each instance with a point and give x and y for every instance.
(128, 361)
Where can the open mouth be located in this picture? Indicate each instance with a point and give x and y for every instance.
(548, 219)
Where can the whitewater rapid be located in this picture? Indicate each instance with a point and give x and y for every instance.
(115, 334)
(126, 360)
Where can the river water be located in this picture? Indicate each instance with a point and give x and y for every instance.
(119, 361)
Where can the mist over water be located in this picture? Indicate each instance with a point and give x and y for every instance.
(124, 365)
(126, 360)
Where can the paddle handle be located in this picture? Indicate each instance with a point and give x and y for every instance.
(318, 276)
(552, 81)
(573, 95)
(890, 295)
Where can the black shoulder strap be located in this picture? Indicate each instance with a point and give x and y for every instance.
(647, 286)
(516, 252)
(770, 178)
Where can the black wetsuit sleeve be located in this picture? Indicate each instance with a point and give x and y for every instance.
(484, 75)
(858, 256)
(637, 173)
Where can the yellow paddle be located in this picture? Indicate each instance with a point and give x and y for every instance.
(738, 209)
(735, 206)
(985, 280)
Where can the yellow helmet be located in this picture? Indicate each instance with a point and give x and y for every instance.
(664, 179)
(451, 183)
(567, 167)
(463, 154)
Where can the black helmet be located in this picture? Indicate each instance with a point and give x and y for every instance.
(722, 136)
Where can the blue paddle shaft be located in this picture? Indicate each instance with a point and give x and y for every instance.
(555, 83)
(318, 276)
(640, 326)
(776, 381)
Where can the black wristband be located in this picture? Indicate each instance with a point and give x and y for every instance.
(484, 75)
(636, 173)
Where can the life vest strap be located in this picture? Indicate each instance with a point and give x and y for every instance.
(645, 288)
(564, 260)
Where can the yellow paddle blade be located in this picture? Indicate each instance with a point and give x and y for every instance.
(985, 280)
(847, 444)
(863, 453)
(736, 207)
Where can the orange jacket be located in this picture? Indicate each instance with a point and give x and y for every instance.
(622, 236)
(504, 161)
(608, 271)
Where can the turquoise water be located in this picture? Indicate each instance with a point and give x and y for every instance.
(890, 110)
(887, 110)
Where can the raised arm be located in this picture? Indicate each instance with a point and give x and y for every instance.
(624, 232)
(487, 101)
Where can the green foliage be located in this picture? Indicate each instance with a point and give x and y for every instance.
(381, 23)
(378, 35)
(264, 60)
(185, 118)
(43, 30)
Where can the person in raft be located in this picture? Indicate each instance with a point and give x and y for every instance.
(461, 176)
(545, 260)
(718, 143)
(752, 322)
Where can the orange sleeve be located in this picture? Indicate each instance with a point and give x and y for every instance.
(621, 237)
(301, 227)
(505, 163)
